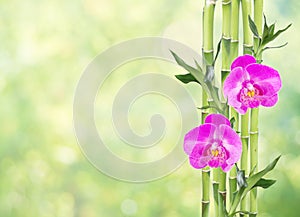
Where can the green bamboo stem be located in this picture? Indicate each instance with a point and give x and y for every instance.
(234, 51)
(247, 44)
(244, 157)
(208, 54)
(226, 61)
(226, 38)
(216, 184)
(258, 19)
(253, 157)
(205, 203)
(248, 38)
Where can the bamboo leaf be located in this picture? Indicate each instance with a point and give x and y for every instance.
(281, 31)
(204, 107)
(276, 47)
(205, 82)
(232, 122)
(271, 36)
(198, 66)
(252, 180)
(264, 183)
(253, 27)
(218, 51)
(241, 179)
(187, 78)
(210, 74)
(272, 29)
(253, 170)
(198, 75)
(266, 28)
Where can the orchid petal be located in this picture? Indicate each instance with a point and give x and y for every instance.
(232, 143)
(270, 101)
(243, 61)
(199, 136)
(217, 119)
(234, 81)
(264, 76)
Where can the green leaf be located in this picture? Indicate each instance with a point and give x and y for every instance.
(252, 170)
(187, 78)
(272, 29)
(241, 179)
(204, 107)
(281, 31)
(266, 28)
(210, 74)
(232, 122)
(271, 37)
(198, 66)
(253, 27)
(275, 47)
(198, 75)
(227, 43)
(252, 180)
(218, 51)
(264, 183)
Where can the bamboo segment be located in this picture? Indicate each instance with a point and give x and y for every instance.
(258, 19)
(234, 51)
(208, 54)
(248, 39)
(253, 157)
(226, 61)
(247, 44)
(244, 158)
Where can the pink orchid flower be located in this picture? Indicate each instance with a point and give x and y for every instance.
(250, 84)
(213, 144)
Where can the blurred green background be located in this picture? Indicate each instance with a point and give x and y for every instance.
(45, 46)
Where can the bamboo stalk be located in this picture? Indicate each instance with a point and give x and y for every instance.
(234, 52)
(248, 39)
(247, 44)
(244, 157)
(253, 157)
(205, 203)
(226, 39)
(258, 19)
(208, 54)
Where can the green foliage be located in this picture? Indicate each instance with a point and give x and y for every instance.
(254, 180)
(206, 81)
(268, 36)
(264, 183)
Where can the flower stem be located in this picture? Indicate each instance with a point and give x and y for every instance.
(234, 52)
(248, 44)
(208, 54)
(258, 19)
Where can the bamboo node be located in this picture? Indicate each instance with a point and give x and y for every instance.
(208, 51)
(226, 3)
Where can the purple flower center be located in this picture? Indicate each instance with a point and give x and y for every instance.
(250, 94)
